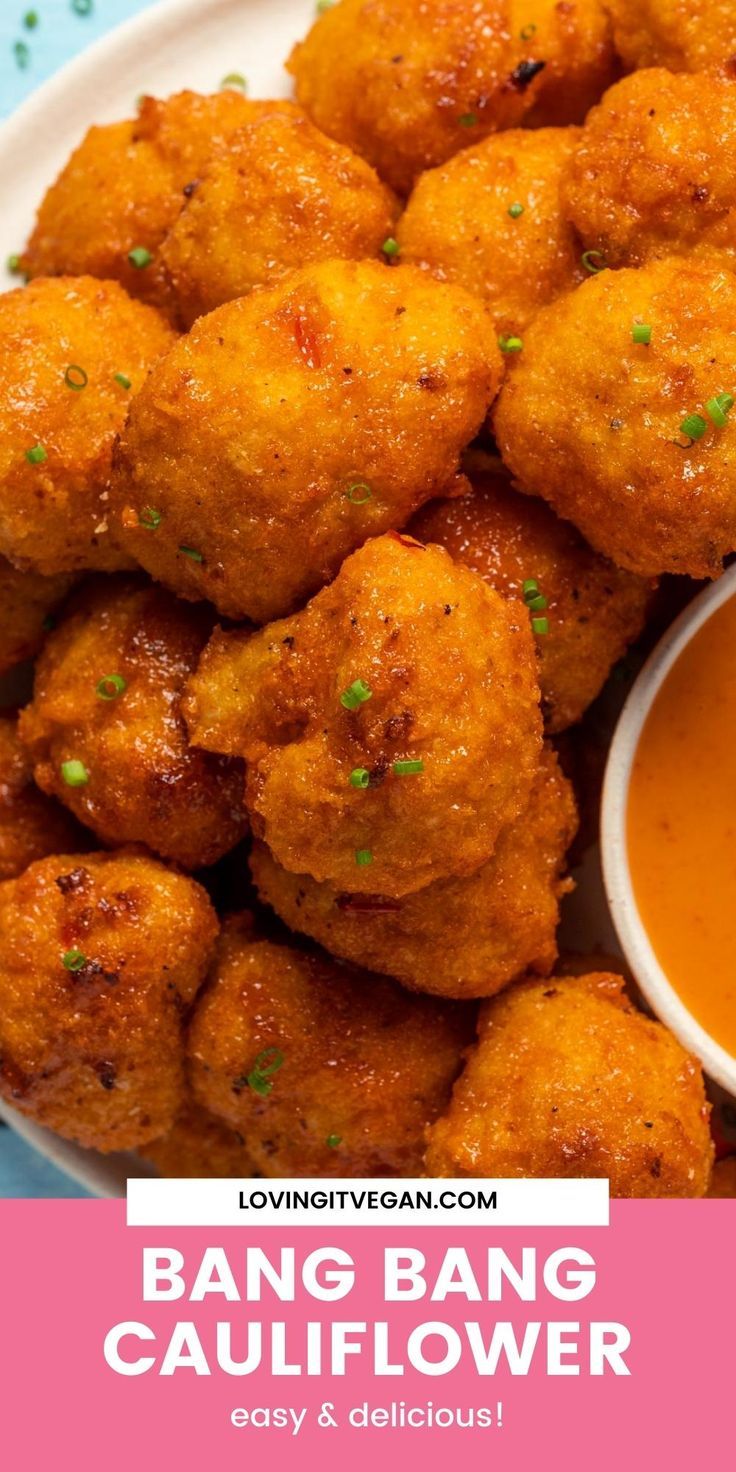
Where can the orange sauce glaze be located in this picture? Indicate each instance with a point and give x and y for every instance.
(681, 825)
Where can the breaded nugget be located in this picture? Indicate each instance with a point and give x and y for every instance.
(101, 955)
(723, 1180)
(593, 610)
(391, 729)
(458, 937)
(408, 83)
(568, 1079)
(106, 732)
(199, 1145)
(277, 196)
(122, 190)
(323, 1070)
(27, 604)
(31, 825)
(597, 423)
(654, 172)
(683, 35)
(74, 352)
(291, 425)
(491, 220)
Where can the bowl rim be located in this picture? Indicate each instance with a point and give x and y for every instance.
(655, 985)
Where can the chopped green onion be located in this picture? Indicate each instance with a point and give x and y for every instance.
(594, 261)
(536, 603)
(110, 686)
(150, 518)
(390, 246)
(510, 344)
(718, 408)
(267, 1063)
(408, 769)
(333, 1141)
(83, 7)
(13, 265)
(642, 332)
(360, 777)
(468, 120)
(123, 380)
(73, 960)
(323, 5)
(359, 492)
(540, 625)
(139, 257)
(530, 585)
(192, 553)
(75, 773)
(30, 20)
(515, 210)
(363, 856)
(527, 32)
(36, 455)
(355, 695)
(76, 378)
(22, 55)
(234, 79)
(694, 426)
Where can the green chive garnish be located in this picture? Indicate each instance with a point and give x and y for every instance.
(360, 777)
(359, 492)
(530, 585)
(140, 257)
(390, 247)
(267, 1063)
(150, 518)
(363, 856)
(527, 32)
(75, 773)
(719, 408)
(540, 625)
(192, 553)
(468, 119)
(13, 265)
(510, 344)
(76, 378)
(73, 960)
(234, 79)
(537, 602)
(82, 7)
(333, 1141)
(594, 261)
(323, 5)
(22, 55)
(642, 332)
(408, 769)
(515, 210)
(30, 20)
(123, 380)
(355, 695)
(110, 686)
(36, 455)
(694, 426)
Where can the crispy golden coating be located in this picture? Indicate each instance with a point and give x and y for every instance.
(144, 782)
(291, 425)
(594, 610)
(458, 937)
(654, 172)
(723, 1180)
(199, 1145)
(591, 420)
(122, 190)
(408, 83)
(568, 1079)
(277, 196)
(62, 342)
(101, 955)
(324, 1071)
(457, 223)
(31, 826)
(448, 674)
(683, 35)
(27, 604)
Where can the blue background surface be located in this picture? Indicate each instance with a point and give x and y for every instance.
(59, 35)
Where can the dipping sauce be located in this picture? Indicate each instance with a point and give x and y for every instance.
(681, 826)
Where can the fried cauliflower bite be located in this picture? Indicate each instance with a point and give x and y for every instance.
(199, 1145)
(653, 173)
(723, 1180)
(108, 692)
(123, 188)
(591, 420)
(291, 425)
(409, 83)
(568, 1079)
(277, 196)
(683, 35)
(593, 609)
(491, 221)
(323, 1070)
(391, 729)
(63, 346)
(27, 604)
(31, 826)
(101, 956)
(459, 938)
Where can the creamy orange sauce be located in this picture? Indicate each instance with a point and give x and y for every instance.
(681, 823)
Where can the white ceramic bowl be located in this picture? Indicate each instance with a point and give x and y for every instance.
(637, 947)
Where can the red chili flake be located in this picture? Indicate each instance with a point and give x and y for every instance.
(407, 541)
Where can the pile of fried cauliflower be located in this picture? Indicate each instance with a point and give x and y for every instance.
(343, 443)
